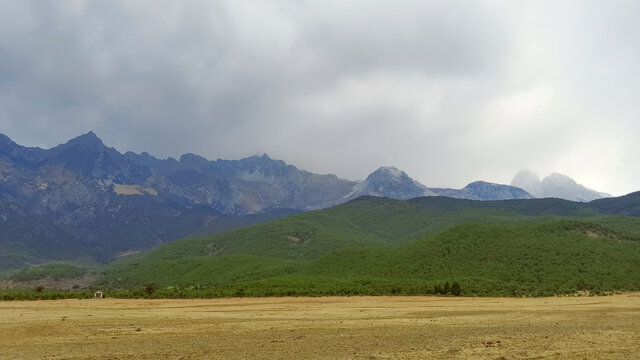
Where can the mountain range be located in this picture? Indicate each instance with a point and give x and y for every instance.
(82, 200)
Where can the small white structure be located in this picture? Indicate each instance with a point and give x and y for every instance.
(97, 294)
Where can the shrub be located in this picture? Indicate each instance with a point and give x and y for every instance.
(150, 288)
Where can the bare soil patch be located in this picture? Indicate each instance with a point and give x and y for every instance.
(133, 190)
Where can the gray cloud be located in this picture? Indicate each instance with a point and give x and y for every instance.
(450, 91)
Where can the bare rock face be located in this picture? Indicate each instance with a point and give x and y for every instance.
(99, 202)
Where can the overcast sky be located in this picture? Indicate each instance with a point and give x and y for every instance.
(448, 91)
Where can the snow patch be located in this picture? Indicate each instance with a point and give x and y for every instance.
(257, 176)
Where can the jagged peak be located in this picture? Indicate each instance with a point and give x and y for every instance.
(264, 160)
(264, 157)
(88, 136)
(89, 141)
(389, 181)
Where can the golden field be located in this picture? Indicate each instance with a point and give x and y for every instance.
(606, 327)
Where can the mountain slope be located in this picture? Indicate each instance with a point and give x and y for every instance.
(382, 246)
(627, 205)
(378, 221)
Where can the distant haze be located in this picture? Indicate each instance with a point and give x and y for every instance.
(450, 92)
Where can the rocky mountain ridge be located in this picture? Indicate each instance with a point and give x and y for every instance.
(84, 200)
(396, 184)
(485, 191)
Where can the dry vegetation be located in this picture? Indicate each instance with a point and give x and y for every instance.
(133, 190)
(324, 328)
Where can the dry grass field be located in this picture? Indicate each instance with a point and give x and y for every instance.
(324, 328)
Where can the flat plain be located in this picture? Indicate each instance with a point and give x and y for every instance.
(602, 327)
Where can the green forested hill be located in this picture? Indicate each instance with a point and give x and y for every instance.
(382, 246)
(364, 222)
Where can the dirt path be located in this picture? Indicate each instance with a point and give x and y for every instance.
(323, 328)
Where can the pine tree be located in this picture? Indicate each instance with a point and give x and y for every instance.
(446, 289)
(455, 289)
(437, 289)
(150, 288)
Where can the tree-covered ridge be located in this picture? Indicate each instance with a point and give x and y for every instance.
(380, 246)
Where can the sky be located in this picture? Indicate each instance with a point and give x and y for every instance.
(448, 91)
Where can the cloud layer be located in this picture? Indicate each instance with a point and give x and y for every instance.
(450, 91)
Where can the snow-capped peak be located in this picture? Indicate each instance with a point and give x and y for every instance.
(555, 185)
(389, 181)
(393, 171)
